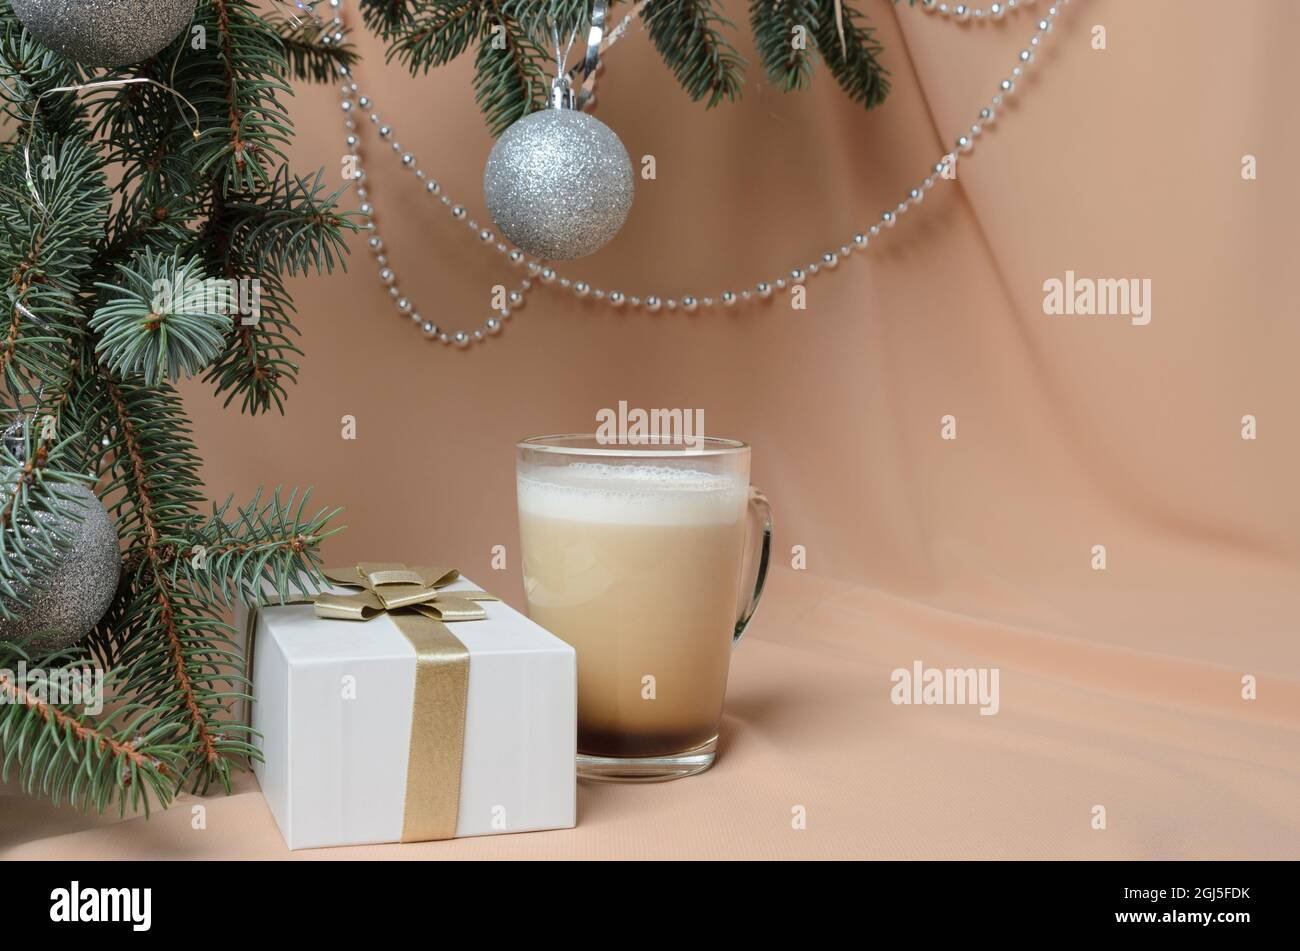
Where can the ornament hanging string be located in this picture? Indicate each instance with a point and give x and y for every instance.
(99, 84)
(561, 91)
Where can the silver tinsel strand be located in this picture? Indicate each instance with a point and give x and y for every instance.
(559, 184)
(108, 33)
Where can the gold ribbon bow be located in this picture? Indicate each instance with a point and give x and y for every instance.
(411, 598)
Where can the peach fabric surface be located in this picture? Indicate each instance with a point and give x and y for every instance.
(1119, 687)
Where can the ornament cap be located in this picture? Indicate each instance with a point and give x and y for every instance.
(562, 94)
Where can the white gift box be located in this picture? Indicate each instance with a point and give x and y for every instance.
(334, 708)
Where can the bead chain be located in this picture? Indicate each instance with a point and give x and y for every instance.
(963, 13)
(354, 103)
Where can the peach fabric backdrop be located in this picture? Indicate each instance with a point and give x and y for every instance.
(1120, 687)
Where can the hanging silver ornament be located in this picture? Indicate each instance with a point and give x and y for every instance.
(67, 602)
(559, 182)
(108, 33)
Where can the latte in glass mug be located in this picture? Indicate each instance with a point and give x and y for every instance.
(635, 557)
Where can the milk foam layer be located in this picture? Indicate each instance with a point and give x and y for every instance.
(631, 495)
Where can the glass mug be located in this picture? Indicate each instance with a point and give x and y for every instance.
(634, 556)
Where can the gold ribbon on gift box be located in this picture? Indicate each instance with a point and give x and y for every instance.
(411, 598)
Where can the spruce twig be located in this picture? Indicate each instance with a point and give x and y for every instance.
(515, 45)
(88, 347)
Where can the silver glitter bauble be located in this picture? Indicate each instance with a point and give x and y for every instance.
(559, 184)
(68, 601)
(108, 33)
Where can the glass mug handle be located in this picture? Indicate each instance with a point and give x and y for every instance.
(758, 505)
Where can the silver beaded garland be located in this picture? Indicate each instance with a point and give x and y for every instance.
(64, 605)
(559, 184)
(540, 274)
(107, 33)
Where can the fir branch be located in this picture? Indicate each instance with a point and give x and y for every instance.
(152, 141)
(48, 225)
(855, 60)
(259, 356)
(218, 205)
(542, 19)
(34, 349)
(177, 669)
(165, 320)
(27, 68)
(785, 31)
(390, 19)
(512, 37)
(428, 34)
(290, 224)
(264, 551)
(693, 37)
(690, 37)
(250, 78)
(313, 50)
(54, 200)
(151, 464)
(67, 758)
(509, 81)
